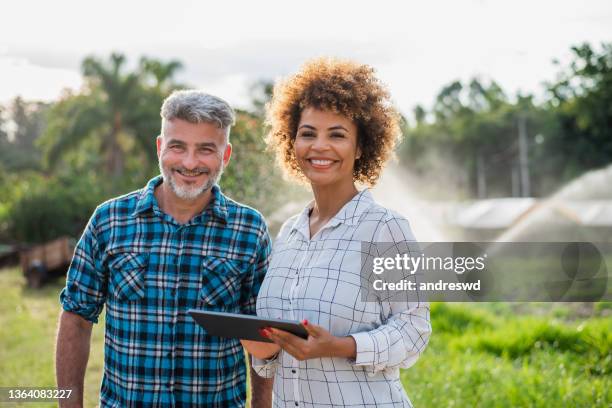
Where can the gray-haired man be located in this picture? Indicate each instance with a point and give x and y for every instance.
(151, 255)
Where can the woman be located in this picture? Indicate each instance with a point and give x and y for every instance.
(332, 126)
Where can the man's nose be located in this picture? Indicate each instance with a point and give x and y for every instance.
(190, 161)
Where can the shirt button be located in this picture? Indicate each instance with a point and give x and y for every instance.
(296, 403)
(293, 371)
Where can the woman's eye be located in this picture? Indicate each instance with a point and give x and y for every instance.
(341, 135)
(307, 134)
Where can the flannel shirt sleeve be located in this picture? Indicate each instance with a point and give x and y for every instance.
(253, 280)
(86, 281)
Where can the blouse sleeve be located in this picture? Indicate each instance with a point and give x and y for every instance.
(405, 329)
(265, 368)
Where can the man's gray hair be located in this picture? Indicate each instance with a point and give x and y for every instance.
(196, 106)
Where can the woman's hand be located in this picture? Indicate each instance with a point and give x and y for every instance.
(260, 349)
(320, 343)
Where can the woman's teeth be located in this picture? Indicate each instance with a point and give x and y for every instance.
(321, 162)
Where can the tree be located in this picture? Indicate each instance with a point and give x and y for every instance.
(119, 108)
(581, 98)
(472, 140)
(26, 121)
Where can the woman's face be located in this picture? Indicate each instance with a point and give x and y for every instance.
(326, 147)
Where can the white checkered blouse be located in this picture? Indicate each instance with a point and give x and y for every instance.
(318, 279)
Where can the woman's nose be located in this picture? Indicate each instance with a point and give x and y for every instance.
(320, 143)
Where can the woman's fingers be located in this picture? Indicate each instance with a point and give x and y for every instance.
(292, 344)
(318, 340)
(282, 336)
(312, 329)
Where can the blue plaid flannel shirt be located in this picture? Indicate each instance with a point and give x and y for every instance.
(149, 270)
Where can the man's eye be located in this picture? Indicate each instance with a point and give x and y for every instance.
(176, 147)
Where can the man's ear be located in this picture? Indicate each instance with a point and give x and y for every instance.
(158, 143)
(227, 153)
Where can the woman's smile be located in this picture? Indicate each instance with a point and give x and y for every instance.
(321, 164)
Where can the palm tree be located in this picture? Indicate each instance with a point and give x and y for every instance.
(119, 91)
(113, 103)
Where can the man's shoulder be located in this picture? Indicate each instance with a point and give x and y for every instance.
(124, 204)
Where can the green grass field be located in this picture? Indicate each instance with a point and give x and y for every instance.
(484, 355)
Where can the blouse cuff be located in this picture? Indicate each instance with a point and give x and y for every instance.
(265, 368)
(369, 354)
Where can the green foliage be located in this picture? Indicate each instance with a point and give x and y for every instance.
(524, 336)
(501, 355)
(469, 138)
(43, 209)
(456, 319)
(474, 129)
(119, 108)
(27, 340)
(251, 176)
(27, 120)
(581, 98)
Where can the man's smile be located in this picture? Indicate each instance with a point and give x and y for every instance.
(191, 175)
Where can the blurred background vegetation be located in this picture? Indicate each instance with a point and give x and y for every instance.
(59, 160)
(471, 137)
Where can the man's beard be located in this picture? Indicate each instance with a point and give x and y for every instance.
(190, 192)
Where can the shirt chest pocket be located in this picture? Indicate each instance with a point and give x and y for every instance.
(221, 283)
(127, 276)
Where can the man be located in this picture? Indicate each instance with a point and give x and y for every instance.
(151, 255)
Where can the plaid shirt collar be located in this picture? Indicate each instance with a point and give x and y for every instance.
(349, 214)
(148, 202)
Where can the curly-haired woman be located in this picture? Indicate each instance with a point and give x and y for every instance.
(332, 126)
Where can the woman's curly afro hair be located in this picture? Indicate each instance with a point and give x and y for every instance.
(346, 88)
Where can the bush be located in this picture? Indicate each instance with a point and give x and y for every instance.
(41, 209)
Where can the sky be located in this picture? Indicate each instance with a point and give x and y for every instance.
(415, 47)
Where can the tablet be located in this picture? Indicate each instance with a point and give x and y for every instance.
(239, 326)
